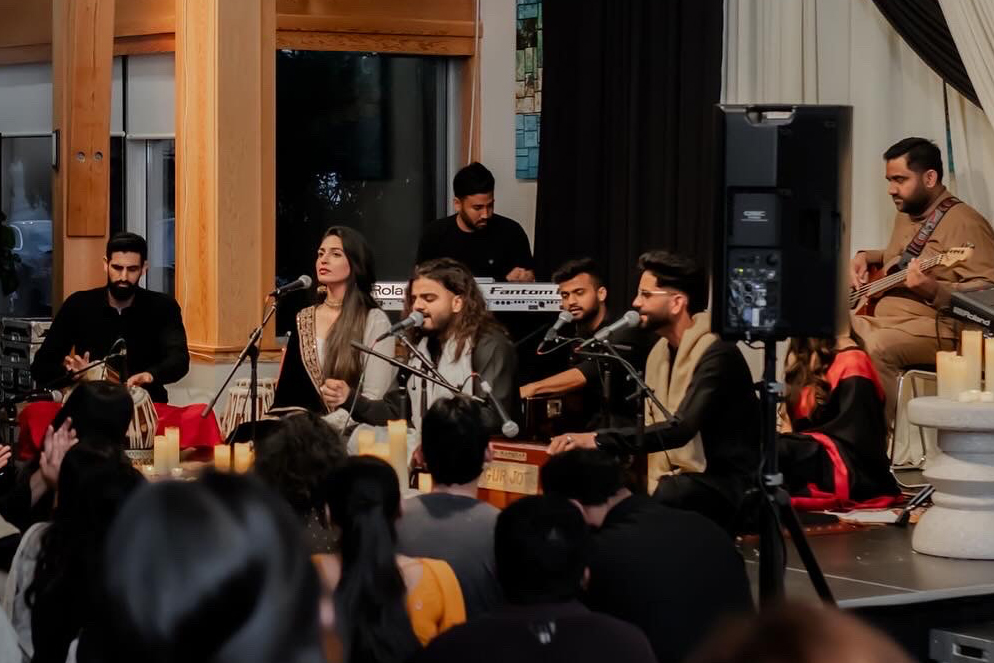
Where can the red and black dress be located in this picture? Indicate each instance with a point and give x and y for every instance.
(836, 458)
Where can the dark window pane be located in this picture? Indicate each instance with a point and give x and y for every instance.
(358, 143)
(26, 198)
(116, 184)
(160, 190)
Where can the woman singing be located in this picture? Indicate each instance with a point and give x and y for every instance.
(320, 348)
(836, 453)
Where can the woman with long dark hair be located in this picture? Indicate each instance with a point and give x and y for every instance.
(386, 605)
(50, 591)
(835, 452)
(320, 347)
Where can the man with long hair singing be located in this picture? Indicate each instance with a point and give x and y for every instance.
(462, 340)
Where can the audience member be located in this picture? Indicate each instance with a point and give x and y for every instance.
(386, 604)
(541, 550)
(673, 573)
(50, 591)
(449, 523)
(800, 633)
(212, 572)
(293, 457)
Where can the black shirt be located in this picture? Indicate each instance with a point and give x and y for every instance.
(540, 634)
(491, 252)
(673, 573)
(721, 404)
(605, 395)
(152, 329)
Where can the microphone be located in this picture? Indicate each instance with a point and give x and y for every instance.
(46, 395)
(508, 428)
(122, 354)
(415, 319)
(302, 283)
(565, 317)
(628, 320)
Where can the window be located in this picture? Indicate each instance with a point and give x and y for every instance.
(361, 141)
(151, 194)
(26, 199)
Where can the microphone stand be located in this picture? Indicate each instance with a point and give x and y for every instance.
(411, 370)
(642, 390)
(251, 350)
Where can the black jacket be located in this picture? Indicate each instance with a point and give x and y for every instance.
(152, 328)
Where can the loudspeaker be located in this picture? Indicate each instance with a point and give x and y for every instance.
(781, 195)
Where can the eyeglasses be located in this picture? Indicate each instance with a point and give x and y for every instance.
(646, 294)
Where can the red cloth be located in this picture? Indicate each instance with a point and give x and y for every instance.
(194, 431)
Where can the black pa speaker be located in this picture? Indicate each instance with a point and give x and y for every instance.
(780, 197)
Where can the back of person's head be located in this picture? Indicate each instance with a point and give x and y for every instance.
(211, 571)
(921, 154)
(92, 489)
(363, 497)
(573, 268)
(125, 242)
(589, 476)
(101, 412)
(471, 180)
(541, 548)
(295, 456)
(454, 440)
(799, 633)
(677, 272)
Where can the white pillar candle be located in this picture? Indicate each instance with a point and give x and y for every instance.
(944, 374)
(222, 458)
(243, 457)
(971, 347)
(961, 376)
(424, 482)
(365, 438)
(160, 455)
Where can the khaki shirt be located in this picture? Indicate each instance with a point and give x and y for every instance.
(901, 308)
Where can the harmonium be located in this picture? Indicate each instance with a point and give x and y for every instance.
(514, 471)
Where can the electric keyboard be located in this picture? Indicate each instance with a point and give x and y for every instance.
(499, 296)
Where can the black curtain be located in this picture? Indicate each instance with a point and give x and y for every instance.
(625, 163)
(923, 27)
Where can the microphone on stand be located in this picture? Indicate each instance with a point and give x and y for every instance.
(565, 317)
(123, 354)
(628, 320)
(508, 428)
(46, 395)
(302, 283)
(415, 319)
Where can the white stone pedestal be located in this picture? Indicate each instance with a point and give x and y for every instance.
(961, 522)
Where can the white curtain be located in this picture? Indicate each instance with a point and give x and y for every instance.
(845, 52)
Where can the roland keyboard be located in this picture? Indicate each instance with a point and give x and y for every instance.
(500, 296)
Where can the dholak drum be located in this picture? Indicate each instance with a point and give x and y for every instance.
(239, 408)
(141, 432)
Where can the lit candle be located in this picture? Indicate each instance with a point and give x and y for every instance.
(160, 455)
(243, 457)
(971, 344)
(222, 458)
(380, 450)
(944, 374)
(424, 482)
(365, 438)
(397, 440)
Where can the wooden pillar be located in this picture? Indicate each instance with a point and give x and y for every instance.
(225, 169)
(82, 61)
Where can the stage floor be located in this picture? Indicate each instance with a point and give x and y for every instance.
(875, 567)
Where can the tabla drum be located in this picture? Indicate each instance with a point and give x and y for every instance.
(141, 431)
(238, 409)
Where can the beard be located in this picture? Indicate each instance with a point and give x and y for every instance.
(654, 324)
(121, 291)
(917, 204)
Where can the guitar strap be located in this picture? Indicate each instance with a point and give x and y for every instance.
(917, 245)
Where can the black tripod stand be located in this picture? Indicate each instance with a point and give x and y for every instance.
(776, 510)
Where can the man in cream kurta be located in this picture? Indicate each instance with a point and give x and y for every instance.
(706, 455)
(908, 322)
